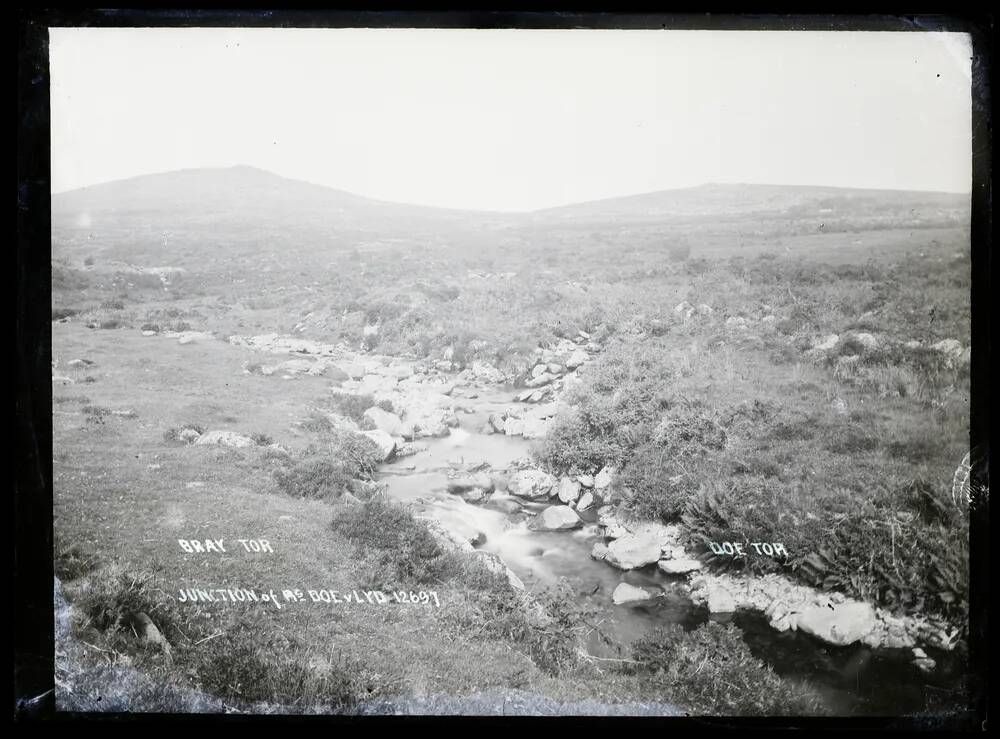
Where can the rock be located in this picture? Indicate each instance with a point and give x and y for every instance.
(523, 396)
(629, 552)
(504, 504)
(225, 438)
(384, 421)
(194, 485)
(538, 380)
(704, 309)
(576, 359)
(720, 600)
(150, 634)
(149, 333)
(737, 322)
(925, 665)
(185, 340)
(531, 484)
(626, 593)
(603, 478)
(912, 344)
(476, 495)
(555, 518)
(841, 624)
(538, 370)
(444, 366)
(585, 502)
(599, 551)
(828, 342)
(555, 369)
(569, 490)
(949, 347)
(386, 444)
(540, 394)
(189, 436)
(679, 566)
(463, 484)
(354, 370)
(586, 481)
(497, 422)
(498, 566)
(867, 341)
(409, 448)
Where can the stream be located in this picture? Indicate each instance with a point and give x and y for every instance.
(854, 680)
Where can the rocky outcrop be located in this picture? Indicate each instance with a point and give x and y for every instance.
(831, 617)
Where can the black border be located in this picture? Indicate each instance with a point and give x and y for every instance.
(33, 628)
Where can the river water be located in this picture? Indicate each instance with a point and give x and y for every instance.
(854, 680)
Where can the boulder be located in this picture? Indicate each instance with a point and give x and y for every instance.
(603, 478)
(599, 550)
(840, 624)
(569, 490)
(189, 436)
(555, 518)
(586, 481)
(828, 342)
(629, 552)
(496, 565)
(867, 341)
(586, 501)
(386, 444)
(504, 504)
(541, 379)
(497, 422)
(531, 484)
(576, 359)
(480, 480)
(384, 421)
(719, 600)
(679, 566)
(626, 593)
(555, 368)
(354, 370)
(409, 448)
(225, 438)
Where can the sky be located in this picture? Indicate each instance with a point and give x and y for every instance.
(513, 120)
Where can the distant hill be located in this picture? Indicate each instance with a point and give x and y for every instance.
(770, 201)
(191, 217)
(235, 194)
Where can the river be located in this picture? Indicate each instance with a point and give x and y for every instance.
(854, 680)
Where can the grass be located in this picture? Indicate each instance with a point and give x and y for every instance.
(736, 433)
(712, 670)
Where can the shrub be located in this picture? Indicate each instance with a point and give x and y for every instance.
(402, 548)
(261, 439)
(712, 670)
(111, 323)
(318, 478)
(243, 666)
(60, 313)
(351, 405)
(113, 601)
(112, 305)
(73, 561)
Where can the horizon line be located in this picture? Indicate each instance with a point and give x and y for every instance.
(531, 211)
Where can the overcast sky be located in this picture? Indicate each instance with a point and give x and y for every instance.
(514, 119)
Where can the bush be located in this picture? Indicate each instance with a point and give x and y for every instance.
(243, 666)
(350, 405)
(74, 561)
(261, 439)
(711, 670)
(317, 478)
(60, 313)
